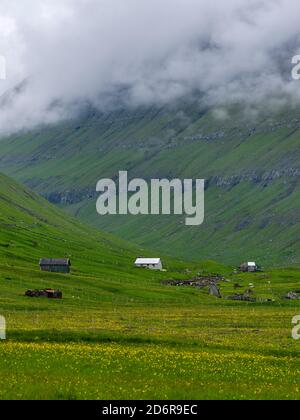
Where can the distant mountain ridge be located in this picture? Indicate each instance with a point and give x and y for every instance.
(251, 165)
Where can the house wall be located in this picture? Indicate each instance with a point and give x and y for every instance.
(55, 295)
(151, 266)
(56, 268)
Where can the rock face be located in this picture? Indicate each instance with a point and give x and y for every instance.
(244, 297)
(70, 197)
(200, 281)
(75, 196)
(215, 291)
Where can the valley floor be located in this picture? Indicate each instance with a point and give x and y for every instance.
(210, 349)
(120, 332)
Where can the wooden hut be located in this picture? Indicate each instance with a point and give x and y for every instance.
(62, 265)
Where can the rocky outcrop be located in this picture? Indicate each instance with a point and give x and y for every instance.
(74, 196)
(254, 177)
(70, 197)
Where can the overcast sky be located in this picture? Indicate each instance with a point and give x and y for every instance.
(160, 50)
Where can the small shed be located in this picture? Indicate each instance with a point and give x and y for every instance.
(46, 293)
(62, 265)
(249, 267)
(150, 263)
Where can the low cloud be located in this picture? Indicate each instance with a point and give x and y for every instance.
(62, 53)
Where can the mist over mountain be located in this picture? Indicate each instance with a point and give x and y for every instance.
(133, 53)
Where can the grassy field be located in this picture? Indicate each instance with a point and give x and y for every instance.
(120, 333)
(146, 342)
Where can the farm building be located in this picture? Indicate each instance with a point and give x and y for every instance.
(249, 267)
(55, 265)
(150, 263)
(46, 293)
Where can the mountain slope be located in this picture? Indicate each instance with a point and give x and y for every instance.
(251, 166)
(31, 228)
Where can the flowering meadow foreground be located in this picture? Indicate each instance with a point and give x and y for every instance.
(209, 349)
(80, 371)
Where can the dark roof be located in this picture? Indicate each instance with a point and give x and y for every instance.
(53, 261)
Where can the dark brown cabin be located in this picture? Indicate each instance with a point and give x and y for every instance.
(62, 265)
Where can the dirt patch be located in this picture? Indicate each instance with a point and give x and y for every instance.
(200, 282)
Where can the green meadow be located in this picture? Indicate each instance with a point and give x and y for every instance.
(119, 333)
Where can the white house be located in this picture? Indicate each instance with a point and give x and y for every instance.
(249, 266)
(252, 266)
(150, 263)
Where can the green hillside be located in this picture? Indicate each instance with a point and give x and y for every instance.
(119, 332)
(251, 166)
(31, 229)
